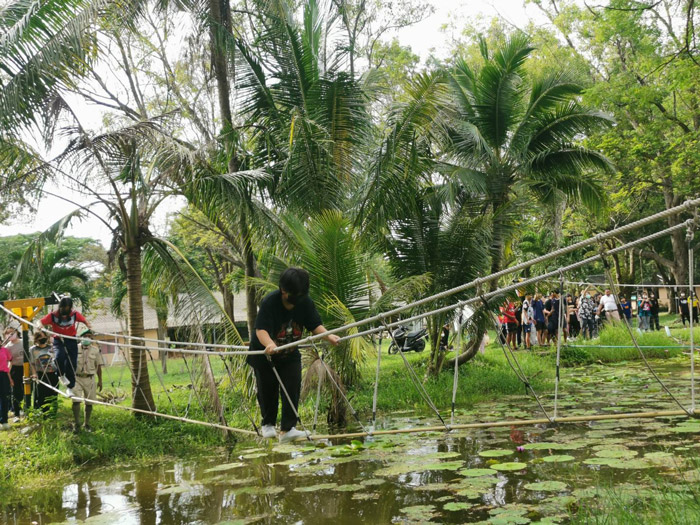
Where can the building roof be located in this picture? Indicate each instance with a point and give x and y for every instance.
(103, 320)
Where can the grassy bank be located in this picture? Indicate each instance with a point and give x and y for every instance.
(657, 500)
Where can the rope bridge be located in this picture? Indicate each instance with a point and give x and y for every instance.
(382, 325)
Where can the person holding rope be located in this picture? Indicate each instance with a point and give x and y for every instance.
(282, 316)
(64, 322)
(89, 366)
(43, 365)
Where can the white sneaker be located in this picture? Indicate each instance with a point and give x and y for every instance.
(15, 420)
(292, 435)
(69, 392)
(64, 380)
(268, 431)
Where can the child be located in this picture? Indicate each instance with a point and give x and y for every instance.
(44, 369)
(64, 322)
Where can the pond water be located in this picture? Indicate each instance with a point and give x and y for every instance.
(505, 475)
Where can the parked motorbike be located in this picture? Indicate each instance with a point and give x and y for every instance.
(408, 341)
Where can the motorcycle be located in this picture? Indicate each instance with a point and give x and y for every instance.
(408, 341)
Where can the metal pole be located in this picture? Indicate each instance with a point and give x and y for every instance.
(691, 265)
(376, 381)
(26, 374)
(456, 375)
(559, 330)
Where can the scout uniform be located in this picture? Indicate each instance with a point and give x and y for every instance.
(89, 359)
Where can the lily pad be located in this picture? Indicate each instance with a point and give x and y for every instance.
(558, 458)
(475, 472)
(371, 482)
(419, 512)
(405, 468)
(547, 486)
(616, 453)
(354, 487)
(316, 488)
(509, 466)
(227, 466)
(455, 506)
(259, 491)
(497, 453)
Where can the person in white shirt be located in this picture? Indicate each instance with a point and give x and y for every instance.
(608, 303)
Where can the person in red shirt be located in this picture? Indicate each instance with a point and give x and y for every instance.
(64, 322)
(511, 323)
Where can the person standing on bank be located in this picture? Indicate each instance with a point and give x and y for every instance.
(654, 312)
(14, 344)
(5, 386)
(44, 369)
(282, 317)
(89, 365)
(64, 322)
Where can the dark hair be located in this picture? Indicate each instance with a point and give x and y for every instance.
(65, 301)
(295, 281)
(40, 334)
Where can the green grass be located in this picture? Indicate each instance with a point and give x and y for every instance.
(661, 502)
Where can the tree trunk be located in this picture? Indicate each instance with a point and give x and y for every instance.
(250, 272)
(210, 385)
(140, 382)
(469, 353)
(220, 12)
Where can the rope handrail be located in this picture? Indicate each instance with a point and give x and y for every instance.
(518, 285)
(141, 411)
(686, 206)
(460, 304)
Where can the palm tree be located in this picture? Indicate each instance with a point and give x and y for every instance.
(50, 269)
(446, 242)
(519, 138)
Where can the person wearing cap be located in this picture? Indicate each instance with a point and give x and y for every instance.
(282, 317)
(43, 367)
(64, 322)
(89, 366)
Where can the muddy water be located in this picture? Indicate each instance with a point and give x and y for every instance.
(508, 475)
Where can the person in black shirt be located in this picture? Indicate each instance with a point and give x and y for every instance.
(684, 307)
(654, 321)
(282, 317)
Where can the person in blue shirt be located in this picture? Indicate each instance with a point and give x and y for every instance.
(538, 316)
(626, 309)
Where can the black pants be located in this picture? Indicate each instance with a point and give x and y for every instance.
(45, 398)
(574, 326)
(17, 373)
(4, 397)
(654, 322)
(685, 315)
(66, 358)
(289, 370)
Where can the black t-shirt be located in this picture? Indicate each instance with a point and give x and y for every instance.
(284, 326)
(654, 306)
(552, 305)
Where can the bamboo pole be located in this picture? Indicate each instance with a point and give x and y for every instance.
(515, 422)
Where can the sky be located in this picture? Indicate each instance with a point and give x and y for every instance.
(424, 38)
